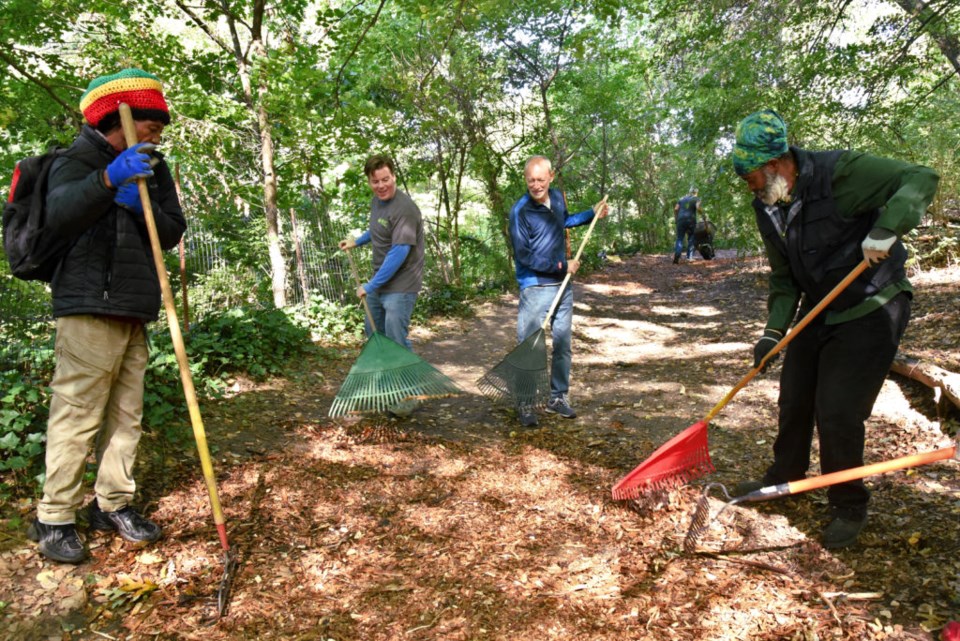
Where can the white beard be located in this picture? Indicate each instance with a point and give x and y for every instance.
(775, 190)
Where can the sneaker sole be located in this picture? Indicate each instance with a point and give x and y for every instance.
(550, 411)
(62, 559)
(110, 527)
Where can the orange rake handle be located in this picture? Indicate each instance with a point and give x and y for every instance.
(833, 293)
(852, 474)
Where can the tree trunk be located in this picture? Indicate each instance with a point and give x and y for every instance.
(298, 252)
(945, 384)
(939, 30)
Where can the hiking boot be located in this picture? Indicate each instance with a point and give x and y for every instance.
(842, 532)
(560, 405)
(676, 258)
(59, 542)
(527, 416)
(131, 526)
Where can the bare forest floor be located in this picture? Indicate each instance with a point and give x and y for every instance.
(457, 524)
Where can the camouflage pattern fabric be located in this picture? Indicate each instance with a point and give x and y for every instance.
(761, 137)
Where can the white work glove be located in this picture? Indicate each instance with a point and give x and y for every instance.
(876, 246)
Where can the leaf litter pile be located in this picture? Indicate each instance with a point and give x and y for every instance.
(456, 523)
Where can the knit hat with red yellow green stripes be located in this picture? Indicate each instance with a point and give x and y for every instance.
(139, 89)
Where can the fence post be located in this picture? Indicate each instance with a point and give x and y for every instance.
(183, 256)
(301, 269)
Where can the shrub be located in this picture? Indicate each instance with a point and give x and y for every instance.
(329, 321)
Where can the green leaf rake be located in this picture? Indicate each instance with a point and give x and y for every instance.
(387, 374)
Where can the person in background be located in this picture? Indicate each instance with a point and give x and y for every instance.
(820, 213)
(395, 233)
(537, 223)
(104, 292)
(685, 220)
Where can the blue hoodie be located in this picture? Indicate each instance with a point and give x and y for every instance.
(536, 233)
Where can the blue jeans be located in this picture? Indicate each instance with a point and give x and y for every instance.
(534, 303)
(685, 227)
(391, 312)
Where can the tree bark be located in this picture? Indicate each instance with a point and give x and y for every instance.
(945, 384)
(933, 23)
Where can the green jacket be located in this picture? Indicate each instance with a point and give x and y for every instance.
(861, 184)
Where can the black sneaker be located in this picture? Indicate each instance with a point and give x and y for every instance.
(527, 415)
(57, 542)
(560, 405)
(676, 258)
(842, 532)
(131, 526)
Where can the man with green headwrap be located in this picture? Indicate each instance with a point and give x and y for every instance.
(820, 214)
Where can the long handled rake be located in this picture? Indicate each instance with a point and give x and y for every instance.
(186, 378)
(701, 521)
(687, 456)
(387, 374)
(522, 374)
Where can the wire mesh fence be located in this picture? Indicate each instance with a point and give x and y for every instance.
(221, 272)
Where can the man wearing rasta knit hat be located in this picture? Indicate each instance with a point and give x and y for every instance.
(104, 291)
(820, 213)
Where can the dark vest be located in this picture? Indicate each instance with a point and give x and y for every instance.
(821, 245)
(688, 207)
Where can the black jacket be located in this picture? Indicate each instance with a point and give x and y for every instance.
(109, 269)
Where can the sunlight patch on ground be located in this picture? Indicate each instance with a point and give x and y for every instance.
(702, 311)
(614, 289)
(939, 276)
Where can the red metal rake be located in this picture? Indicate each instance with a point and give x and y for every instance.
(686, 456)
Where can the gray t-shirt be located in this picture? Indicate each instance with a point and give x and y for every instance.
(398, 222)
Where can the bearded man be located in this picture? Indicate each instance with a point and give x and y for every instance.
(820, 213)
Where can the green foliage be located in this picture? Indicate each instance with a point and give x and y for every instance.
(256, 342)
(448, 301)
(24, 368)
(225, 286)
(329, 321)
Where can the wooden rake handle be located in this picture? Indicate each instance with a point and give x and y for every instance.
(356, 277)
(566, 279)
(836, 291)
(186, 378)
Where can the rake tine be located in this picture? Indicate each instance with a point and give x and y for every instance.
(700, 522)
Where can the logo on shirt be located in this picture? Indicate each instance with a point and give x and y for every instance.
(382, 222)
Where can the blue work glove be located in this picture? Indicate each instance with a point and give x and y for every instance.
(766, 343)
(128, 197)
(132, 163)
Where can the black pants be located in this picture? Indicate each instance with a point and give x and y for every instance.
(832, 374)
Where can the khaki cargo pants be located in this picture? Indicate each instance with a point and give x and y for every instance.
(97, 400)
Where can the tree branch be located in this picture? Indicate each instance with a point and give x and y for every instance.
(37, 81)
(356, 46)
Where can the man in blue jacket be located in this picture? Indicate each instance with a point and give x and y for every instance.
(537, 223)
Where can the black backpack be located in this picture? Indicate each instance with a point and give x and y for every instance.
(32, 254)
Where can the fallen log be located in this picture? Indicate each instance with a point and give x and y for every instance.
(945, 384)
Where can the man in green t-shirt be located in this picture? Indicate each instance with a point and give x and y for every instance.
(820, 214)
(395, 233)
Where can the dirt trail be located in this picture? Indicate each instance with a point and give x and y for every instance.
(458, 524)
